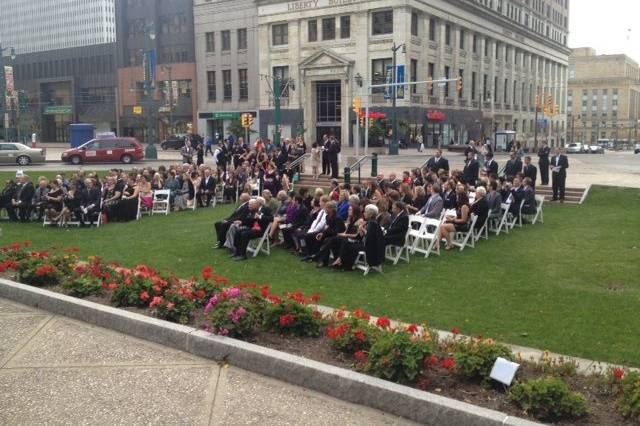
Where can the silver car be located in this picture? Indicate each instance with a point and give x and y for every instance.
(22, 155)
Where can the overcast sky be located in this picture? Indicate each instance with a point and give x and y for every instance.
(605, 25)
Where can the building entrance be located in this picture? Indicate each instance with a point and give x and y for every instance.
(328, 109)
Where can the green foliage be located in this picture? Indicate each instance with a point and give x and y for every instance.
(234, 315)
(82, 286)
(475, 357)
(352, 334)
(173, 307)
(38, 272)
(376, 132)
(291, 317)
(398, 357)
(629, 400)
(549, 399)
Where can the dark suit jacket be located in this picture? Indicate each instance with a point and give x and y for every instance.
(470, 172)
(481, 209)
(564, 164)
(208, 186)
(513, 167)
(335, 225)
(397, 229)
(239, 213)
(491, 168)
(529, 196)
(441, 163)
(449, 200)
(26, 193)
(531, 172)
(90, 196)
(374, 244)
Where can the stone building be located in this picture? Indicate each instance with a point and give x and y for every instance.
(603, 99)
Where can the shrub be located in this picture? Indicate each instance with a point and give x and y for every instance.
(548, 399)
(38, 272)
(172, 307)
(291, 317)
(475, 358)
(352, 334)
(82, 286)
(398, 356)
(629, 399)
(234, 313)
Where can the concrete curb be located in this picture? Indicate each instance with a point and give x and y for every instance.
(337, 382)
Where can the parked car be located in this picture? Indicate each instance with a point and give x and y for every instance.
(173, 142)
(595, 149)
(575, 148)
(126, 150)
(637, 148)
(22, 155)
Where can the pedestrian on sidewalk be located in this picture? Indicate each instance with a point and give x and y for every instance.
(209, 146)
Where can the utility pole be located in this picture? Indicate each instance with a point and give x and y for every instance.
(277, 115)
(169, 69)
(393, 146)
(149, 68)
(3, 89)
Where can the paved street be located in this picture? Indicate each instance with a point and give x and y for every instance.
(54, 370)
(620, 168)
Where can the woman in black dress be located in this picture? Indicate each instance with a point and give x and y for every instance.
(459, 223)
(71, 205)
(369, 239)
(54, 201)
(128, 206)
(333, 244)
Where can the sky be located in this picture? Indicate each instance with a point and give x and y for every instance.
(610, 26)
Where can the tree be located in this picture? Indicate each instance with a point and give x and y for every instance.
(376, 132)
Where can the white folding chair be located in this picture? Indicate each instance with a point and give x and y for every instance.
(142, 210)
(361, 263)
(261, 244)
(499, 223)
(464, 239)
(161, 204)
(427, 239)
(514, 221)
(47, 222)
(482, 232)
(397, 253)
(538, 214)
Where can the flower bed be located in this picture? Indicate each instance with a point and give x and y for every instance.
(412, 355)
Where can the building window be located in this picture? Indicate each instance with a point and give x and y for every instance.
(210, 41)
(280, 34)
(432, 71)
(473, 86)
(414, 75)
(382, 22)
(226, 85)
(432, 29)
(497, 50)
(447, 73)
(506, 91)
(211, 86)
(242, 39)
(328, 28)
(461, 77)
(462, 35)
(226, 40)
(486, 47)
(379, 69)
(345, 26)
(244, 84)
(312, 30)
(474, 46)
(282, 73)
(414, 24)
(495, 89)
(447, 35)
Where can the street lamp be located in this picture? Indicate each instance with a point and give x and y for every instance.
(3, 88)
(169, 69)
(149, 69)
(393, 146)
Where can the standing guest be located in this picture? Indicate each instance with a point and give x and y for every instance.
(199, 154)
(208, 145)
(559, 166)
(530, 171)
(223, 226)
(438, 162)
(543, 162)
(471, 170)
(434, 206)
(187, 152)
(334, 150)
(316, 158)
(513, 166)
(324, 145)
(491, 166)
(395, 234)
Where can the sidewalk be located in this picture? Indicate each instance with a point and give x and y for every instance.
(54, 370)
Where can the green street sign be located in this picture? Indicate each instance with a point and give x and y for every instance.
(58, 109)
(226, 116)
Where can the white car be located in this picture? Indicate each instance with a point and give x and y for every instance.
(594, 149)
(575, 148)
(637, 148)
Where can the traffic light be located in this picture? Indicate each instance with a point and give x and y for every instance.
(363, 121)
(250, 120)
(556, 110)
(244, 120)
(549, 102)
(357, 105)
(459, 84)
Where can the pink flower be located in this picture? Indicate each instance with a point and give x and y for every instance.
(170, 306)
(144, 296)
(212, 304)
(234, 292)
(156, 301)
(223, 332)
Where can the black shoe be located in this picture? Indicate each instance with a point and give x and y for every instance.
(239, 258)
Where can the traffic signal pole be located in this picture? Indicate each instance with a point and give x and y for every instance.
(277, 88)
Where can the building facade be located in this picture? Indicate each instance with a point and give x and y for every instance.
(64, 65)
(166, 28)
(603, 100)
(227, 55)
(507, 52)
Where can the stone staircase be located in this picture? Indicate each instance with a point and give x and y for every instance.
(573, 196)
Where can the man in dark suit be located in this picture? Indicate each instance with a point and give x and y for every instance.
(207, 189)
(333, 226)
(491, 166)
(396, 233)
(513, 167)
(543, 163)
(334, 150)
(517, 195)
(529, 197)
(471, 169)
(325, 154)
(223, 226)
(89, 202)
(530, 171)
(253, 225)
(438, 162)
(559, 165)
(22, 200)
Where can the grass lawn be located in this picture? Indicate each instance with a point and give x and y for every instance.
(571, 285)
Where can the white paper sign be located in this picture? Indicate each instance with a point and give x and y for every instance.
(504, 371)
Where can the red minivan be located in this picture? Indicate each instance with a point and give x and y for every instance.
(112, 150)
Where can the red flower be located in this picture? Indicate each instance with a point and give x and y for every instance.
(315, 298)
(423, 384)
(413, 329)
(361, 357)
(449, 364)
(157, 301)
(265, 291)
(383, 322)
(3, 268)
(432, 361)
(113, 286)
(455, 330)
(287, 320)
(207, 273)
(359, 335)
(359, 313)
(274, 299)
(144, 296)
(201, 294)
(45, 270)
(156, 289)
(222, 280)
(618, 373)
(27, 244)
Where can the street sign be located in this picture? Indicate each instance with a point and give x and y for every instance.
(226, 115)
(58, 109)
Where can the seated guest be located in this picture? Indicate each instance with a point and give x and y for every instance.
(145, 192)
(296, 217)
(459, 222)
(333, 226)
(315, 219)
(331, 245)
(372, 191)
(384, 217)
(207, 190)
(21, 201)
(223, 226)
(7, 195)
(173, 185)
(54, 200)
(230, 186)
(157, 182)
(396, 233)
(90, 202)
(419, 200)
(270, 202)
(39, 199)
(529, 196)
(111, 198)
(70, 205)
(449, 195)
(252, 226)
(406, 194)
(434, 206)
(334, 192)
(517, 195)
(494, 199)
(343, 205)
(128, 206)
(480, 207)
(370, 240)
